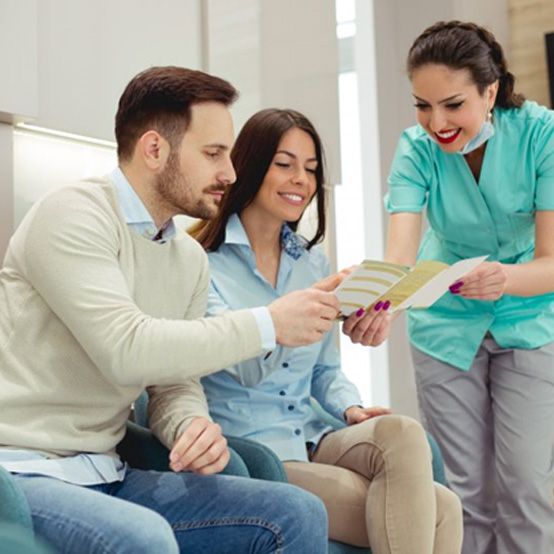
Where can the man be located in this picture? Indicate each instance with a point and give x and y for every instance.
(100, 297)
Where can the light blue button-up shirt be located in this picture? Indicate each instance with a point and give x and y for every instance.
(91, 469)
(494, 216)
(267, 399)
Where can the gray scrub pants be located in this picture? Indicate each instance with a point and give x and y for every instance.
(495, 427)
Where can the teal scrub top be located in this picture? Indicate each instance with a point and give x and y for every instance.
(494, 216)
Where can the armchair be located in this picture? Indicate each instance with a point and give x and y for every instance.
(16, 528)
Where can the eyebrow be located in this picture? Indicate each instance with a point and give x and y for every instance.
(217, 145)
(449, 99)
(294, 155)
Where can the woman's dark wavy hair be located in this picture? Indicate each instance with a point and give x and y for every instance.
(252, 155)
(460, 45)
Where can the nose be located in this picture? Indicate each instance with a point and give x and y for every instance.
(437, 121)
(300, 177)
(227, 176)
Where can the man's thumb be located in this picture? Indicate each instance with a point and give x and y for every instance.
(329, 284)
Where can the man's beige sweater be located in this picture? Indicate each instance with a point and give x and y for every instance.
(91, 314)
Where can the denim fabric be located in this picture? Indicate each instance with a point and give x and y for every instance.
(154, 512)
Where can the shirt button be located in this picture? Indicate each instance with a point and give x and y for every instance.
(282, 393)
(291, 407)
(285, 364)
(297, 431)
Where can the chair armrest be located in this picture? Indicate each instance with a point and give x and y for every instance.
(261, 461)
(142, 450)
(13, 504)
(16, 539)
(439, 474)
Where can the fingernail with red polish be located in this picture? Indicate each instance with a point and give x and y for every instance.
(360, 312)
(386, 305)
(378, 306)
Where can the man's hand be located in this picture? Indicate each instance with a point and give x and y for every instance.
(486, 282)
(369, 328)
(333, 281)
(355, 414)
(304, 316)
(200, 449)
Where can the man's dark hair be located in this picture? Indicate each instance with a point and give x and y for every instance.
(160, 98)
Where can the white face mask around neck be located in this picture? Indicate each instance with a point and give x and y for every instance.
(484, 134)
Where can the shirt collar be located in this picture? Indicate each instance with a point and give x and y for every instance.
(291, 243)
(134, 211)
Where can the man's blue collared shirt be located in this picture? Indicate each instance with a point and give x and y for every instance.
(268, 398)
(135, 213)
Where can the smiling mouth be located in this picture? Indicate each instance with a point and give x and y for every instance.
(446, 137)
(292, 198)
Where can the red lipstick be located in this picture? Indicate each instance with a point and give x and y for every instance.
(447, 140)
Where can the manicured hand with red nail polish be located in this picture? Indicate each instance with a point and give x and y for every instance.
(371, 327)
(486, 282)
(455, 288)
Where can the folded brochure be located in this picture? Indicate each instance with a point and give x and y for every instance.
(405, 287)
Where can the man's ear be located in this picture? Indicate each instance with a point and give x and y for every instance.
(153, 149)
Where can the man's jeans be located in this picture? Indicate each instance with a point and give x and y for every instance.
(165, 513)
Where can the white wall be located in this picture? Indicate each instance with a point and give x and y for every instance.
(63, 66)
(18, 60)
(280, 54)
(90, 49)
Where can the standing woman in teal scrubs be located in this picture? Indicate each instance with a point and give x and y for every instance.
(481, 159)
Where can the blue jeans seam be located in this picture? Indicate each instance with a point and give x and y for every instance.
(60, 521)
(275, 529)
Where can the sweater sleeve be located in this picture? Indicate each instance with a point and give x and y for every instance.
(70, 257)
(172, 408)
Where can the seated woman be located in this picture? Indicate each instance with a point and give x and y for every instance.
(375, 474)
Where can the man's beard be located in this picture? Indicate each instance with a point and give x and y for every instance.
(175, 190)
